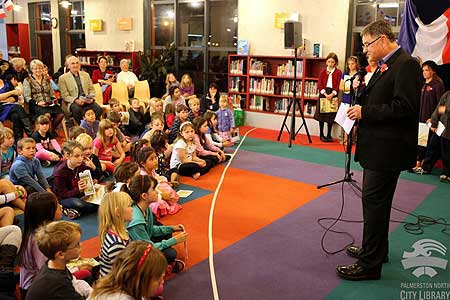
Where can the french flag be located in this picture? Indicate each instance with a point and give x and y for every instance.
(5, 5)
(425, 30)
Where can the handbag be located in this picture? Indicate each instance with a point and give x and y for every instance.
(328, 106)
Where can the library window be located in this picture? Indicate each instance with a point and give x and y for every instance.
(163, 24)
(41, 32)
(203, 32)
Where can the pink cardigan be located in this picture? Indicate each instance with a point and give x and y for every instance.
(200, 149)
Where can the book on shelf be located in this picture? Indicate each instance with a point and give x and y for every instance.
(237, 67)
(259, 103)
(237, 100)
(237, 84)
(262, 86)
(287, 88)
(259, 67)
(309, 109)
(311, 89)
(287, 69)
(280, 106)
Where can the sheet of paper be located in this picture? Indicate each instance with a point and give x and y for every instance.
(423, 134)
(342, 119)
(440, 129)
(184, 193)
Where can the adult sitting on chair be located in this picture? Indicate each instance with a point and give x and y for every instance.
(11, 110)
(77, 91)
(39, 94)
(127, 76)
(104, 77)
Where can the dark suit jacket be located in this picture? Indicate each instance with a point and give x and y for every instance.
(388, 130)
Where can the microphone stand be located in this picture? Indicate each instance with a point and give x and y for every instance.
(348, 151)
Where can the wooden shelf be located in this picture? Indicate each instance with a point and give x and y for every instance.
(310, 67)
(133, 56)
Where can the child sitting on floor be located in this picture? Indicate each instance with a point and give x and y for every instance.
(142, 191)
(114, 211)
(8, 152)
(48, 149)
(182, 116)
(104, 145)
(60, 242)
(137, 273)
(26, 169)
(90, 160)
(90, 123)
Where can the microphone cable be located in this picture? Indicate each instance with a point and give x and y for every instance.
(415, 228)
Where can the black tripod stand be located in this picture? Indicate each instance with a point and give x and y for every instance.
(293, 103)
(348, 151)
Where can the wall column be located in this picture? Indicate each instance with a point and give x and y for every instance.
(56, 40)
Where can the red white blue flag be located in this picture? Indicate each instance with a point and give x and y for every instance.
(425, 30)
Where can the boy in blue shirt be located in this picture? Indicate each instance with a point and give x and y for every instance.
(26, 169)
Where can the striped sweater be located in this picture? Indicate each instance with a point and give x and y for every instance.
(111, 247)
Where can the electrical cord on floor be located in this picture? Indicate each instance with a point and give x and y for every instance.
(415, 228)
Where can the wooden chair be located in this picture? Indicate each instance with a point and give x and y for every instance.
(142, 91)
(120, 92)
(99, 98)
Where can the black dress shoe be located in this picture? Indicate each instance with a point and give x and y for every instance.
(329, 139)
(323, 139)
(355, 251)
(357, 272)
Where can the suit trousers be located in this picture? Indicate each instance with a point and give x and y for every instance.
(377, 195)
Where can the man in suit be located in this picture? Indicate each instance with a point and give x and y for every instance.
(77, 91)
(387, 142)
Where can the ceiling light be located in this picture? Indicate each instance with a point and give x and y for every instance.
(388, 5)
(65, 3)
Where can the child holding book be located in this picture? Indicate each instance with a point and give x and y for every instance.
(8, 152)
(67, 184)
(137, 273)
(225, 119)
(114, 211)
(60, 242)
(90, 123)
(142, 191)
(157, 123)
(48, 149)
(90, 160)
(184, 157)
(26, 170)
(182, 116)
(104, 145)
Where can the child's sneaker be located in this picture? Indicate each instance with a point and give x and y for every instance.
(71, 213)
(444, 178)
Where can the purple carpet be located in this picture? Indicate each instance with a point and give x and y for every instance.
(285, 260)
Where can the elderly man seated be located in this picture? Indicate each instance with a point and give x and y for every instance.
(77, 91)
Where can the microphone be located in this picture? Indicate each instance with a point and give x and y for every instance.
(360, 74)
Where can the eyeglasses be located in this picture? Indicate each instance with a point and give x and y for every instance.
(366, 45)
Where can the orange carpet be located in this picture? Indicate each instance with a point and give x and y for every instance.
(243, 207)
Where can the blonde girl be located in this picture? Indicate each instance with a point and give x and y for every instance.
(137, 273)
(225, 119)
(114, 211)
(184, 157)
(187, 87)
(104, 144)
(171, 80)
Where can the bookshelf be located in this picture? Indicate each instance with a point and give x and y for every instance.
(265, 83)
(88, 59)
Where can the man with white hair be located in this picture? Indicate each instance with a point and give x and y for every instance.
(17, 67)
(77, 91)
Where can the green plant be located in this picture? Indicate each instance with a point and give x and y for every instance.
(154, 68)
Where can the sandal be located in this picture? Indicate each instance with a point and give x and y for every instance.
(71, 213)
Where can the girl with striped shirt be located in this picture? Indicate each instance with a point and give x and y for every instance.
(115, 210)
